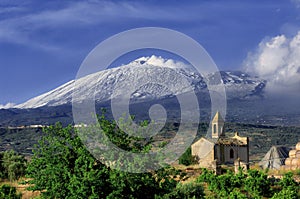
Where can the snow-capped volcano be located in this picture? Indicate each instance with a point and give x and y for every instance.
(143, 74)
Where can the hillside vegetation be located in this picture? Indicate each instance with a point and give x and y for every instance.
(62, 167)
(261, 137)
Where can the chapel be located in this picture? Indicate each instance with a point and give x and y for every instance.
(219, 149)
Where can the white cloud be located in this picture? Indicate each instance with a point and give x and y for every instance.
(161, 62)
(277, 60)
(6, 106)
(22, 28)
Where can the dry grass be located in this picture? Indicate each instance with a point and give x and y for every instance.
(279, 173)
(22, 189)
(192, 171)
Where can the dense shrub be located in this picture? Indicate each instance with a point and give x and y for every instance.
(187, 158)
(8, 192)
(186, 191)
(251, 184)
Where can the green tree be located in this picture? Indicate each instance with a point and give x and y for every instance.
(62, 167)
(13, 165)
(2, 172)
(187, 158)
(257, 184)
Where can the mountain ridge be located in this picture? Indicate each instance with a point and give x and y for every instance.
(238, 85)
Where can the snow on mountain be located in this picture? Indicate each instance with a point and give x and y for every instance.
(240, 85)
(144, 72)
(7, 105)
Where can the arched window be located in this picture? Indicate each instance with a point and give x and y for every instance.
(231, 153)
(215, 128)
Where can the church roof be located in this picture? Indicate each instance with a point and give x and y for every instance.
(224, 140)
(243, 140)
(240, 141)
(218, 118)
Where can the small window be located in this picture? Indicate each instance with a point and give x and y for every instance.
(215, 128)
(231, 153)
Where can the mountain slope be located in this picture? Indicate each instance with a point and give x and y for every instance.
(144, 73)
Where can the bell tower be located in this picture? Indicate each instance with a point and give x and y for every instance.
(217, 125)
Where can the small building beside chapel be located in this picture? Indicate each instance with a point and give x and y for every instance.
(219, 149)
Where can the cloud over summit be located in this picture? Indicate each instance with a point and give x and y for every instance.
(277, 60)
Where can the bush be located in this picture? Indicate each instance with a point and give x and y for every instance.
(186, 191)
(286, 194)
(187, 158)
(288, 182)
(253, 184)
(236, 193)
(289, 188)
(13, 165)
(257, 184)
(8, 192)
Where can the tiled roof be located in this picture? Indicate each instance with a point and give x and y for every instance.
(235, 140)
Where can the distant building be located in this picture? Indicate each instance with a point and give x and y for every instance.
(275, 157)
(218, 149)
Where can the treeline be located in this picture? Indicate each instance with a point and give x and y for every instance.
(262, 137)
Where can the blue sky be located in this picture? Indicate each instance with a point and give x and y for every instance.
(42, 43)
